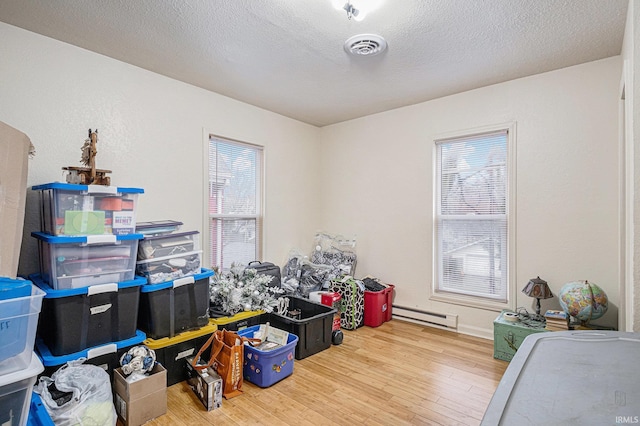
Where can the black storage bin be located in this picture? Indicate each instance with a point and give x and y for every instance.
(169, 308)
(172, 352)
(312, 325)
(236, 322)
(104, 356)
(75, 319)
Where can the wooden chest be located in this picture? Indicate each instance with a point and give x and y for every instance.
(508, 336)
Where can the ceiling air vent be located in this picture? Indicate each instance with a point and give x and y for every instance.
(365, 45)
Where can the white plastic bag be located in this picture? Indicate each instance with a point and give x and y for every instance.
(91, 399)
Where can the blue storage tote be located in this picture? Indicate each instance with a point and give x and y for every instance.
(74, 262)
(264, 368)
(70, 209)
(105, 356)
(38, 415)
(15, 392)
(169, 308)
(18, 325)
(76, 319)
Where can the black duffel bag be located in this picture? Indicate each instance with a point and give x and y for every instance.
(267, 268)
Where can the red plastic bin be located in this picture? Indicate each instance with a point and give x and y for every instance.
(377, 306)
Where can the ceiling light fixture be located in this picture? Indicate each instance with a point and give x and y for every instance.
(356, 9)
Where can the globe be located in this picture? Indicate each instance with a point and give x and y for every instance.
(583, 300)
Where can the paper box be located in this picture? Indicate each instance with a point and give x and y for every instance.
(206, 384)
(14, 155)
(142, 400)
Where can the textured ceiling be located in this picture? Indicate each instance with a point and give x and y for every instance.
(287, 56)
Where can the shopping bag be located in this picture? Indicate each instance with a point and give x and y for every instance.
(227, 357)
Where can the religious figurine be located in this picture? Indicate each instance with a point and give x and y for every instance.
(88, 175)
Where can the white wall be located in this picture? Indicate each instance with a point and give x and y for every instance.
(377, 180)
(150, 136)
(631, 78)
(371, 177)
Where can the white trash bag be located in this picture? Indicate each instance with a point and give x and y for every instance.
(83, 392)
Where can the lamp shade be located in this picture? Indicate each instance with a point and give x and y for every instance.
(538, 288)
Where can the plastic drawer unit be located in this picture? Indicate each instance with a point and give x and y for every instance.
(155, 246)
(169, 308)
(265, 368)
(76, 319)
(74, 262)
(168, 268)
(172, 352)
(15, 393)
(104, 356)
(310, 321)
(157, 227)
(570, 378)
(18, 324)
(70, 209)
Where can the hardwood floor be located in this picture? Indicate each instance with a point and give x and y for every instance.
(398, 373)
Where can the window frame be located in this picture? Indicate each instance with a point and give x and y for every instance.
(469, 300)
(260, 186)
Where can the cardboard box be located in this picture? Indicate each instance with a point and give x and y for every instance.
(206, 384)
(14, 155)
(142, 400)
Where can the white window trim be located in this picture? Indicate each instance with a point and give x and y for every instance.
(204, 236)
(472, 301)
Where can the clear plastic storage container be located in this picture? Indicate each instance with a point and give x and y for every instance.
(74, 262)
(70, 209)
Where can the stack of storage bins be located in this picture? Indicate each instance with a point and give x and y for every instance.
(20, 304)
(174, 301)
(87, 250)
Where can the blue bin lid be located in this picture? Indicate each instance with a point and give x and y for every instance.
(85, 188)
(49, 360)
(148, 288)
(10, 288)
(51, 293)
(107, 238)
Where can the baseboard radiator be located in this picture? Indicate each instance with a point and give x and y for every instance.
(432, 319)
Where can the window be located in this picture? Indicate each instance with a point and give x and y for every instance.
(235, 202)
(472, 223)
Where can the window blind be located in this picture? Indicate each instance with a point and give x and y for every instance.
(235, 202)
(472, 215)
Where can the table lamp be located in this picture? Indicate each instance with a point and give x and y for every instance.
(538, 288)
